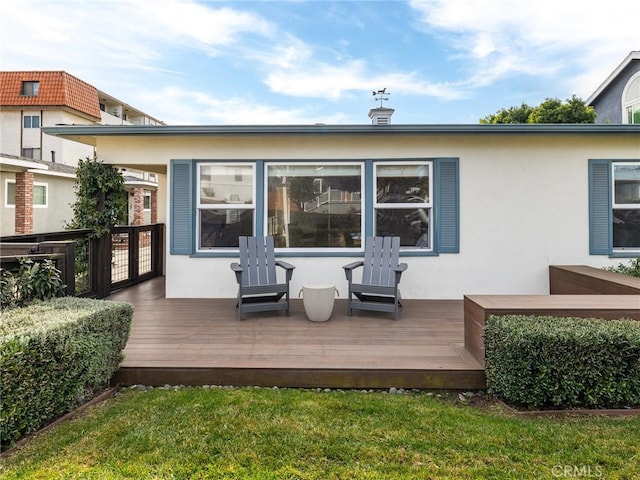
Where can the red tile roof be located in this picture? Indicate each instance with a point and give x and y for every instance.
(56, 89)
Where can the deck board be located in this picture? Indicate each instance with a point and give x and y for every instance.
(201, 341)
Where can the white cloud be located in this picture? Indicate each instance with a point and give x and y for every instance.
(501, 37)
(180, 106)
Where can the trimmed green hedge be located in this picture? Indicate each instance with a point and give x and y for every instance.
(550, 362)
(55, 355)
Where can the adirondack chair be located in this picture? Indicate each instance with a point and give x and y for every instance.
(258, 288)
(381, 274)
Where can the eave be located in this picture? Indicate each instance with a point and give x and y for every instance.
(89, 133)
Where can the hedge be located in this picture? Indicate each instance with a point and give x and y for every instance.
(550, 362)
(55, 355)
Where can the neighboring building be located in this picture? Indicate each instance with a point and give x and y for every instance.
(36, 99)
(34, 192)
(479, 208)
(617, 100)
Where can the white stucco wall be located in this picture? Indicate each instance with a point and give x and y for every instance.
(523, 205)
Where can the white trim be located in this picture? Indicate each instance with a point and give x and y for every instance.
(222, 206)
(26, 164)
(398, 206)
(52, 173)
(359, 164)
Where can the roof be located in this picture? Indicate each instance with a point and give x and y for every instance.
(56, 89)
(633, 55)
(88, 133)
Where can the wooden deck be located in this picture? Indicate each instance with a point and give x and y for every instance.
(200, 341)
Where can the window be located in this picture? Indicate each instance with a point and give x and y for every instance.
(40, 191)
(614, 207)
(631, 100)
(626, 205)
(226, 206)
(403, 202)
(314, 205)
(31, 121)
(147, 200)
(30, 89)
(320, 207)
(33, 153)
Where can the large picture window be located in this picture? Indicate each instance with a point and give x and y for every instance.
(403, 205)
(314, 205)
(226, 204)
(626, 205)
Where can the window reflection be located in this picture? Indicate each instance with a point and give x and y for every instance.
(314, 205)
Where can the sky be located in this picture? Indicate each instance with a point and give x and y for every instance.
(194, 62)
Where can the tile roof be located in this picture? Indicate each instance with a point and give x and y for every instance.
(56, 89)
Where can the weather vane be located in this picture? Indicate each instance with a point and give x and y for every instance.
(381, 95)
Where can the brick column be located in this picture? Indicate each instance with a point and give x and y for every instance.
(24, 203)
(138, 206)
(154, 206)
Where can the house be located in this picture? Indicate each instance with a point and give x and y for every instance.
(480, 209)
(31, 100)
(617, 99)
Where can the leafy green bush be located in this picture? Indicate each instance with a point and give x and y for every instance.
(32, 281)
(633, 268)
(54, 355)
(540, 362)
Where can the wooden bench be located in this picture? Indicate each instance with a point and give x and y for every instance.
(477, 309)
(580, 279)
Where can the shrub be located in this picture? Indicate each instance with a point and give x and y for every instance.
(32, 281)
(632, 269)
(540, 362)
(55, 355)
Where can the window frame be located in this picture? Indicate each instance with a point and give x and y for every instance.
(29, 119)
(44, 185)
(30, 88)
(199, 207)
(406, 206)
(363, 219)
(621, 206)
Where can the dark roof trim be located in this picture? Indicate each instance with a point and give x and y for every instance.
(453, 129)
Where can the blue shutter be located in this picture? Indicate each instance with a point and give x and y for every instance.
(181, 235)
(600, 208)
(447, 205)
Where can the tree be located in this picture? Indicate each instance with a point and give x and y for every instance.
(101, 203)
(101, 199)
(552, 110)
(511, 115)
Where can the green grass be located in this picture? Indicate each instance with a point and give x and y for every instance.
(244, 433)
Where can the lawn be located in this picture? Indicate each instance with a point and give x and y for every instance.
(249, 433)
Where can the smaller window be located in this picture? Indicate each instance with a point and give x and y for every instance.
(31, 121)
(147, 200)
(403, 205)
(10, 193)
(33, 153)
(626, 206)
(30, 89)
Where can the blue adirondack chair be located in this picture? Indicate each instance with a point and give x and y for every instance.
(381, 272)
(258, 287)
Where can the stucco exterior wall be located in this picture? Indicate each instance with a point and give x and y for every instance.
(523, 205)
(52, 218)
